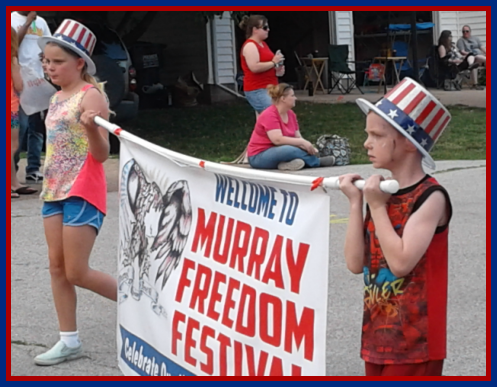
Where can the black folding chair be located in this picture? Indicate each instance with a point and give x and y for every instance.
(338, 67)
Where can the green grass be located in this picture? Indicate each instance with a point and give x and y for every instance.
(221, 132)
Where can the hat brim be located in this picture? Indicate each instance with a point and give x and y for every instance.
(42, 42)
(367, 107)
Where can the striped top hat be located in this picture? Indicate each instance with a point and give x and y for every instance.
(415, 113)
(75, 36)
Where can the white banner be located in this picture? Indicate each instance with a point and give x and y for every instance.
(218, 274)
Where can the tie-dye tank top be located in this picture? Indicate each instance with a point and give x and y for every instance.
(70, 169)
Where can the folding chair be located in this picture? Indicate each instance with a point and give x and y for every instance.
(338, 67)
(374, 73)
(402, 49)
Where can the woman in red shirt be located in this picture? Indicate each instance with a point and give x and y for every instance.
(276, 141)
(258, 62)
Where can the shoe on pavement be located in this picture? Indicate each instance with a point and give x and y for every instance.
(59, 354)
(294, 165)
(327, 161)
(34, 177)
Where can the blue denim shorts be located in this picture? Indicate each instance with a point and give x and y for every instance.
(76, 212)
(259, 99)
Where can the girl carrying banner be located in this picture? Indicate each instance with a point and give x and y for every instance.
(74, 188)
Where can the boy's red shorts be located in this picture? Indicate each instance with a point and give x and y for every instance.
(430, 368)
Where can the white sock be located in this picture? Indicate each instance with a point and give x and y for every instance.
(71, 339)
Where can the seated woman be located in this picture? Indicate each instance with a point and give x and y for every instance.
(451, 61)
(276, 141)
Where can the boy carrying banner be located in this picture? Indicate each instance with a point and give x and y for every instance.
(401, 247)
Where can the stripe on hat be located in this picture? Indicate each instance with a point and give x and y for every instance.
(87, 40)
(76, 32)
(63, 27)
(425, 112)
(73, 30)
(437, 131)
(394, 92)
(406, 90)
(428, 120)
(420, 108)
(93, 42)
(81, 35)
(414, 102)
(434, 121)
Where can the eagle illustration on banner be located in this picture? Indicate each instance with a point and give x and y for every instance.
(156, 228)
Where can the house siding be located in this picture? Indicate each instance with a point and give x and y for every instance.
(344, 31)
(224, 50)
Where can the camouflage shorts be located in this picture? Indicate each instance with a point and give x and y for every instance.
(14, 120)
(333, 145)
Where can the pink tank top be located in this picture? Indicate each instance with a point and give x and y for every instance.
(70, 169)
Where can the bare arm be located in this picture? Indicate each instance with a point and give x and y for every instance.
(94, 104)
(354, 238)
(252, 57)
(403, 253)
(16, 75)
(24, 28)
(460, 47)
(277, 138)
(441, 52)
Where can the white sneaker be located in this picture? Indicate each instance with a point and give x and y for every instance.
(294, 165)
(59, 354)
(34, 177)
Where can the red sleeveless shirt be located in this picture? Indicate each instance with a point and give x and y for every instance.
(255, 81)
(405, 319)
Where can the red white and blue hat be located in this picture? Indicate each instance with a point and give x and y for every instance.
(76, 37)
(415, 113)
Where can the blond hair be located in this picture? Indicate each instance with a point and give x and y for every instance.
(278, 91)
(14, 44)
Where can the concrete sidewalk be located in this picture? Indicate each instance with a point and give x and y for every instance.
(34, 324)
(465, 97)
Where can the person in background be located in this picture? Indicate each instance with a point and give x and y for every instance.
(451, 60)
(258, 62)
(276, 141)
(16, 188)
(30, 27)
(468, 44)
(261, 67)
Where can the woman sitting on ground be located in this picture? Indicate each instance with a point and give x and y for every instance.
(276, 141)
(450, 59)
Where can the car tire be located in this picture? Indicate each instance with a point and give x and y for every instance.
(109, 71)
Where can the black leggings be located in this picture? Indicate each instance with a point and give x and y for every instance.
(464, 64)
